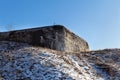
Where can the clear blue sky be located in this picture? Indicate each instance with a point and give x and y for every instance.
(97, 21)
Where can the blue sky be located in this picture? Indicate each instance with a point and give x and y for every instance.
(97, 21)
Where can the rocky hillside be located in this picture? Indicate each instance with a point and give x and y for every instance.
(20, 61)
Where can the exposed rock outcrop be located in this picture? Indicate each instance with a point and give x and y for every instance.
(55, 37)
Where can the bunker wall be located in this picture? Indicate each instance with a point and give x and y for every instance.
(49, 37)
(74, 43)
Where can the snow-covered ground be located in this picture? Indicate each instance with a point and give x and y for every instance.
(20, 61)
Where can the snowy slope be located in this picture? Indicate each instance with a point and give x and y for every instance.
(20, 61)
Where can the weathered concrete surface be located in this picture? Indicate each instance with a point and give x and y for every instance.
(74, 43)
(55, 37)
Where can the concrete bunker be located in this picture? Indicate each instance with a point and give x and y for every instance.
(55, 37)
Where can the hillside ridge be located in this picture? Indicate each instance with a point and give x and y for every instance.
(21, 61)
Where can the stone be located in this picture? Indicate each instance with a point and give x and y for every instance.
(55, 37)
